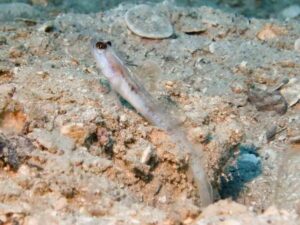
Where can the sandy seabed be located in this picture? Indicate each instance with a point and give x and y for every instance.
(71, 154)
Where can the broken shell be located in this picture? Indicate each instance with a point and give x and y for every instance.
(297, 45)
(291, 91)
(291, 11)
(77, 131)
(147, 22)
(270, 31)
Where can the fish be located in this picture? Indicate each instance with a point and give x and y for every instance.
(123, 82)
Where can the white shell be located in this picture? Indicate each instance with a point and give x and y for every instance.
(148, 22)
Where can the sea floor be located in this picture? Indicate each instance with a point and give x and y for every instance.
(71, 152)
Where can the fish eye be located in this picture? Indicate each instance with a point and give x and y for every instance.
(109, 43)
(101, 45)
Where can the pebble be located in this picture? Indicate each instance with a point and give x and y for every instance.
(290, 12)
(147, 154)
(271, 132)
(212, 48)
(24, 170)
(123, 118)
(148, 22)
(169, 85)
(162, 199)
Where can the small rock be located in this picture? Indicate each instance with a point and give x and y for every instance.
(141, 162)
(212, 48)
(271, 132)
(162, 199)
(8, 152)
(243, 64)
(148, 22)
(297, 45)
(170, 83)
(147, 154)
(268, 101)
(123, 118)
(24, 170)
(290, 12)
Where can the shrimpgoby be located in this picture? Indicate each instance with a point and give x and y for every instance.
(126, 85)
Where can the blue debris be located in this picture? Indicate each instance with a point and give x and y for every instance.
(244, 168)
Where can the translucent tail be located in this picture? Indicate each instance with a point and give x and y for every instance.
(196, 170)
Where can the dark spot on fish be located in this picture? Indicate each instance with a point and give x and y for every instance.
(109, 43)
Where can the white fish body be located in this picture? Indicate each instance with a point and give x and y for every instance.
(122, 81)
